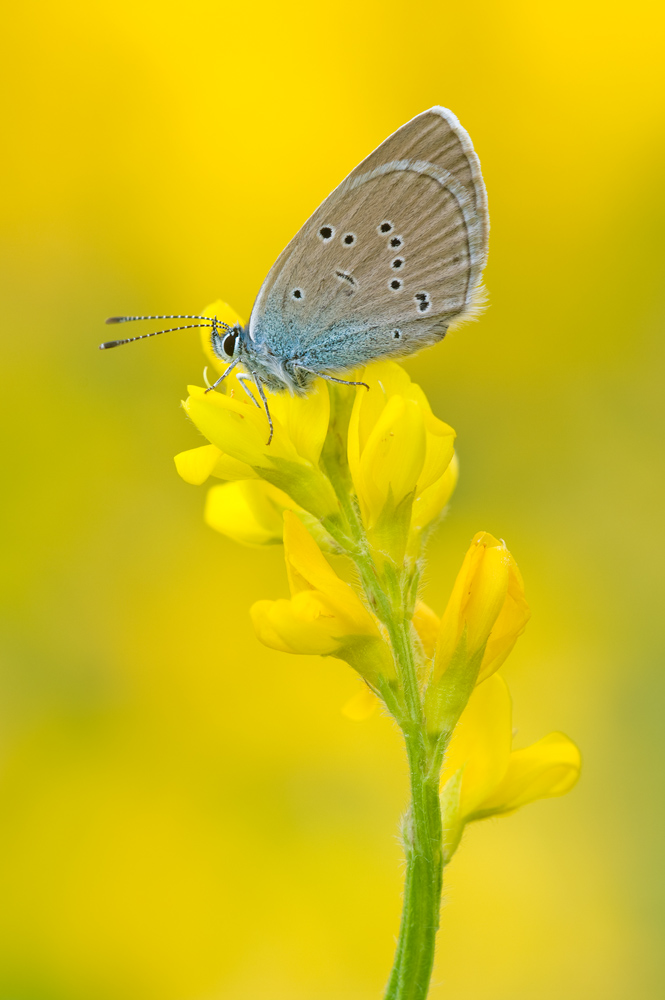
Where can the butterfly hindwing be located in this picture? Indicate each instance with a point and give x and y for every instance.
(388, 260)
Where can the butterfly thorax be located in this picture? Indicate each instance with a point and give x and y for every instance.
(277, 374)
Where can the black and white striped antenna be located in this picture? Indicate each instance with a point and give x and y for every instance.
(209, 321)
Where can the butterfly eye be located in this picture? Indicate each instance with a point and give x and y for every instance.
(229, 344)
(326, 233)
(385, 227)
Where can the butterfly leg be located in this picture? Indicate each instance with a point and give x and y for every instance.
(257, 383)
(243, 378)
(223, 376)
(330, 378)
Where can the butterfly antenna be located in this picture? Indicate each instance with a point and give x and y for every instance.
(130, 319)
(208, 321)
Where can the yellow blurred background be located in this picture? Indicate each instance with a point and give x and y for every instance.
(187, 815)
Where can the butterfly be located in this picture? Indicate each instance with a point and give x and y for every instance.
(380, 270)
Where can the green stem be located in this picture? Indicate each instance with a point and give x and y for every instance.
(414, 957)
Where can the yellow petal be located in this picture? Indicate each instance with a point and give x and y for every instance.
(440, 441)
(306, 566)
(308, 570)
(488, 593)
(509, 625)
(428, 505)
(302, 625)
(393, 457)
(250, 512)
(385, 379)
(230, 469)
(237, 427)
(262, 614)
(453, 621)
(426, 623)
(304, 418)
(477, 598)
(195, 465)
(386, 440)
(307, 623)
(481, 744)
(361, 706)
(324, 615)
(545, 769)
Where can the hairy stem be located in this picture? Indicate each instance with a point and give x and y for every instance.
(422, 834)
(414, 957)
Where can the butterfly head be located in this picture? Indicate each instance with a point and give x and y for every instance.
(226, 341)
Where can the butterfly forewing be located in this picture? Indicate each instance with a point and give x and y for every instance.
(388, 260)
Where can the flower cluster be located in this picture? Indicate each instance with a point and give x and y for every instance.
(398, 456)
(324, 614)
(365, 474)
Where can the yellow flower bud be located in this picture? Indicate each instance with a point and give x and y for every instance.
(488, 777)
(486, 610)
(397, 450)
(324, 615)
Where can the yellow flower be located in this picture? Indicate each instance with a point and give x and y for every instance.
(486, 611)
(429, 504)
(324, 615)
(238, 428)
(397, 451)
(483, 776)
(252, 512)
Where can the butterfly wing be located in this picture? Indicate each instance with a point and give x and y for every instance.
(388, 260)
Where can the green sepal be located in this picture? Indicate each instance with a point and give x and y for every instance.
(447, 695)
(318, 532)
(369, 655)
(304, 483)
(334, 454)
(390, 534)
(451, 820)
